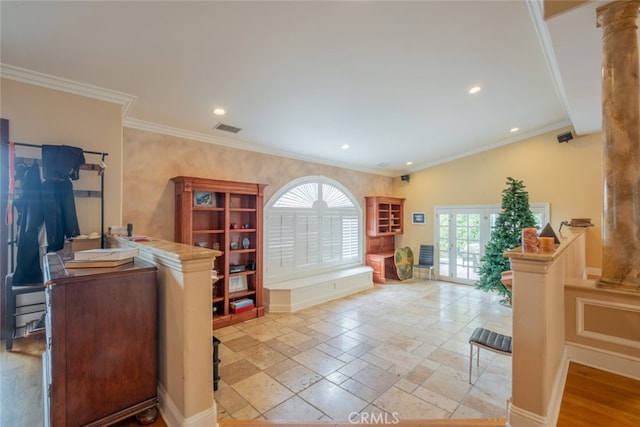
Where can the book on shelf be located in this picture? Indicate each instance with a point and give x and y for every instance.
(241, 303)
(99, 263)
(242, 309)
(111, 254)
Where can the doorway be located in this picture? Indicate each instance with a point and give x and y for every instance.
(462, 233)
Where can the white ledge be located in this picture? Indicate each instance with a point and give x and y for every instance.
(565, 237)
(296, 294)
(176, 256)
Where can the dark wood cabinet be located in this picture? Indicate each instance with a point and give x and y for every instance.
(226, 216)
(385, 220)
(100, 361)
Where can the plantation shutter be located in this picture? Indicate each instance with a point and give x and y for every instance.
(311, 226)
(280, 234)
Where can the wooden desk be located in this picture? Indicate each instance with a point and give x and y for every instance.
(383, 266)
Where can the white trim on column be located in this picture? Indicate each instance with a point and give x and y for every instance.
(172, 416)
(521, 418)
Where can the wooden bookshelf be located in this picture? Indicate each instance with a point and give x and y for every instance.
(226, 216)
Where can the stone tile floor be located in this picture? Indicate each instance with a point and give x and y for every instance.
(399, 350)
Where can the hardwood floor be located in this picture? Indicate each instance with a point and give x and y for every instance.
(596, 398)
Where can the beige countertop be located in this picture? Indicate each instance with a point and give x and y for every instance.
(566, 236)
(167, 249)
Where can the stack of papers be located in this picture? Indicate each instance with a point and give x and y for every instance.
(101, 258)
(113, 254)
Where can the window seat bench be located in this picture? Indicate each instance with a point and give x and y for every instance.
(292, 295)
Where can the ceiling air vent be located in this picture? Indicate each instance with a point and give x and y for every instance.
(226, 128)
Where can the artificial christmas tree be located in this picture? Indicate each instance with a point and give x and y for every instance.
(506, 234)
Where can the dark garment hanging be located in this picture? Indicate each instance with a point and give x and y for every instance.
(60, 163)
(59, 213)
(30, 219)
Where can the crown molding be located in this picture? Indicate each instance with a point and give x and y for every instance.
(536, 13)
(186, 134)
(65, 85)
(35, 78)
(563, 124)
(237, 144)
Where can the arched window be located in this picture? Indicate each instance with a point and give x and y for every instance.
(311, 225)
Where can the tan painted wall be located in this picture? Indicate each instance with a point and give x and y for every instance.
(44, 116)
(568, 176)
(151, 160)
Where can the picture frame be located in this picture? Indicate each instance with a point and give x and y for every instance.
(204, 199)
(419, 218)
(238, 283)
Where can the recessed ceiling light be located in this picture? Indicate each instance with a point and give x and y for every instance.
(474, 89)
(409, 163)
(345, 146)
(514, 130)
(219, 111)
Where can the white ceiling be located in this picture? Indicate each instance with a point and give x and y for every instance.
(302, 78)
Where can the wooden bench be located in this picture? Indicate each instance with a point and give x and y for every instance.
(489, 340)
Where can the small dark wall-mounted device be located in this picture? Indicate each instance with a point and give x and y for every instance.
(405, 178)
(564, 137)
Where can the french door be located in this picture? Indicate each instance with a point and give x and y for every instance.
(461, 235)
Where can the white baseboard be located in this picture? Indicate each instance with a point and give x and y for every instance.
(616, 363)
(518, 417)
(174, 418)
(558, 388)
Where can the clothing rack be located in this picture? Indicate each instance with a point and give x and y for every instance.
(25, 144)
(81, 193)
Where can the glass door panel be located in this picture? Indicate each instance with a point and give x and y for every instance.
(462, 233)
(443, 246)
(467, 247)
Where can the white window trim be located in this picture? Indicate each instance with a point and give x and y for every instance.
(322, 267)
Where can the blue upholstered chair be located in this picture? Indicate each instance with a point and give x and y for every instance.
(425, 260)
